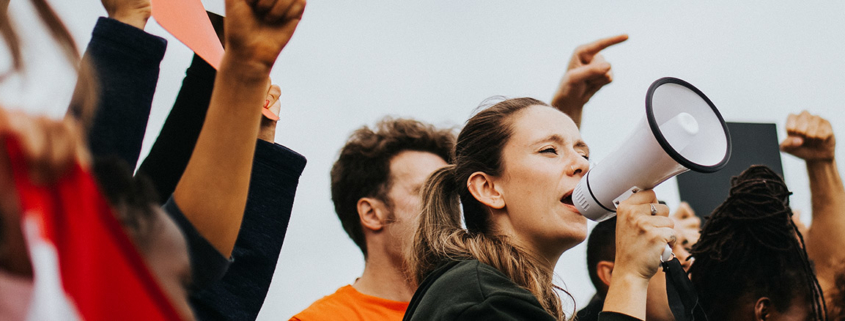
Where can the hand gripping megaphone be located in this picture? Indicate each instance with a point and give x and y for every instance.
(682, 130)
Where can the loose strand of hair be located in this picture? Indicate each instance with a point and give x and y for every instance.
(819, 304)
(57, 30)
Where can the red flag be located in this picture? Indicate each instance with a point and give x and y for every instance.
(85, 266)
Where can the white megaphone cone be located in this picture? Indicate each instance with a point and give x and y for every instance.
(682, 130)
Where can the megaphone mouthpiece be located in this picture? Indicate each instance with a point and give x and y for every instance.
(680, 130)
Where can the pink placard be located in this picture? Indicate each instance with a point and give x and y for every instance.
(187, 21)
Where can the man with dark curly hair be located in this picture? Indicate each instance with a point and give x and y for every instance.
(376, 183)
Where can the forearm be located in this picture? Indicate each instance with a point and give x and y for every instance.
(172, 149)
(126, 61)
(626, 295)
(213, 190)
(825, 240)
(241, 292)
(574, 111)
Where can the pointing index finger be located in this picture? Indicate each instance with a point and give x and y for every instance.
(589, 50)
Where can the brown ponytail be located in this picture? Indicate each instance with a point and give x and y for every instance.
(440, 236)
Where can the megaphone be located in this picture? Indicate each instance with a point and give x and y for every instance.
(682, 130)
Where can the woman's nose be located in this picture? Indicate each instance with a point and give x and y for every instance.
(579, 166)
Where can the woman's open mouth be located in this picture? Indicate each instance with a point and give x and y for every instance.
(567, 201)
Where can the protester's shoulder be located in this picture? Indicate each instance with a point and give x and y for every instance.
(592, 310)
(331, 307)
(484, 280)
(471, 289)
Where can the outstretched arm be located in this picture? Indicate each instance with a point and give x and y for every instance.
(811, 138)
(240, 293)
(586, 74)
(126, 63)
(212, 192)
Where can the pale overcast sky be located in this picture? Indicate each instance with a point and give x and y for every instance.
(352, 62)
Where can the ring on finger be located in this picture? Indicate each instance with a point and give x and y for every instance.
(653, 210)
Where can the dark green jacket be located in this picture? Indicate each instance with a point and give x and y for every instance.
(471, 290)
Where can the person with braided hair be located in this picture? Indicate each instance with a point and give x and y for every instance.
(750, 261)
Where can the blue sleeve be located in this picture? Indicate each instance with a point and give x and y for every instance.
(207, 264)
(241, 292)
(126, 64)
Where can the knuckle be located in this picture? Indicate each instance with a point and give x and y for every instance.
(640, 221)
(662, 210)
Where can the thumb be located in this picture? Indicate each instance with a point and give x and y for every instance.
(791, 142)
(587, 72)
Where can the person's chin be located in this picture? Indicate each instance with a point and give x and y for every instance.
(576, 232)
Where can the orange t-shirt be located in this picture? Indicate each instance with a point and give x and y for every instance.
(348, 304)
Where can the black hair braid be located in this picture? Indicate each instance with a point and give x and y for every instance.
(748, 245)
(819, 304)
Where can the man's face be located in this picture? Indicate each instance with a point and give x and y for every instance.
(409, 171)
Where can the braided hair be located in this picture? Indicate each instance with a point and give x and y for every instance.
(750, 248)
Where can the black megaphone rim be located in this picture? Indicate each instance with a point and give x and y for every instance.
(655, 128)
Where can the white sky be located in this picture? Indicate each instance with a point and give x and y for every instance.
(352, 62)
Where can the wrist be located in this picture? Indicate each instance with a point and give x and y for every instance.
(267, 132)
(244, 70)
(262, 55)
(567, 105)
(627, 294)
(814, 163)
(630, 279)
(136, 18)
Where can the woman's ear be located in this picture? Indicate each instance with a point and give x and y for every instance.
(763, 309)
(484, 189)
(372, 213)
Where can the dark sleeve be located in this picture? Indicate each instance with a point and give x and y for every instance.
(241, 292)
(126, 64)
(613, 316)
(505, 307)
(207, 264)
(172, 149)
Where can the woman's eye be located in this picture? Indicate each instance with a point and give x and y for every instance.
(587, 157)
(549, 150)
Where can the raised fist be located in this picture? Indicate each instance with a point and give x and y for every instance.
(267, 131)
(810, 137)
(643, 229)
(257, 30)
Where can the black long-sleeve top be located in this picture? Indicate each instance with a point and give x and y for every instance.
(224, 289)
(471, 290)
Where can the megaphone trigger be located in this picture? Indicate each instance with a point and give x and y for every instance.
(625, 195)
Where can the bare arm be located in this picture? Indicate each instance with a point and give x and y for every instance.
(811, 138)
(213, 190)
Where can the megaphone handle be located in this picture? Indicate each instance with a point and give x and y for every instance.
(667, 254)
